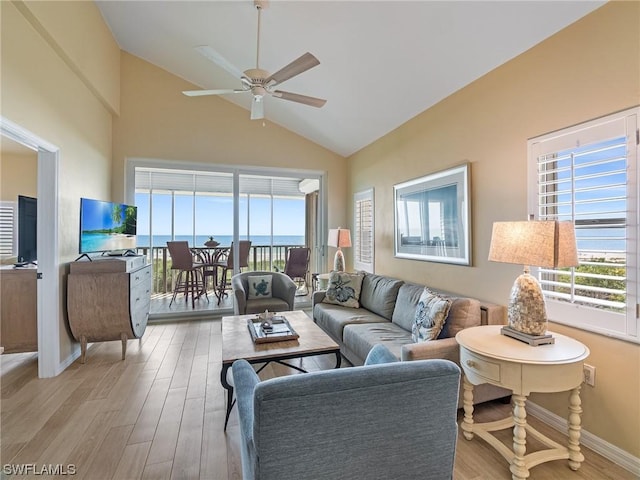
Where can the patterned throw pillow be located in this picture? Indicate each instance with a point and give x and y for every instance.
(259, 286)
(344, 289)
(431, 312)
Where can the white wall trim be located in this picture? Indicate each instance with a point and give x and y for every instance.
(48, 296)
(589, 440)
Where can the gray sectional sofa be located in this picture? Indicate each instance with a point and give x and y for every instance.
(386, 314)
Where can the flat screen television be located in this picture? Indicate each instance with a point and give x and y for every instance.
(27, 229)
(107, 226)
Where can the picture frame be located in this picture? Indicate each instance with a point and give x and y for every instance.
(432, 217)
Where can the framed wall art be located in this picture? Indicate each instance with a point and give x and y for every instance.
(432, 217)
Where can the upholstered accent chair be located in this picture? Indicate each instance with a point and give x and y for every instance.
(378, 421)
(281, 292)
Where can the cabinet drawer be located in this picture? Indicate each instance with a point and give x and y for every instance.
(141, 277)
(480, 366)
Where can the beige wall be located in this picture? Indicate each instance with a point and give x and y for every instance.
(18, 176)
(157, 121)
(590, 69)
(46, 94)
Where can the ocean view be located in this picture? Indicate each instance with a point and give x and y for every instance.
(225, 240)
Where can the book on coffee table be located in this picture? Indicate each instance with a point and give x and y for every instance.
(277, 329)
(533, 340)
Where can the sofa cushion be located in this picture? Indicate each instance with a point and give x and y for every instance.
(259, 286)
(404, 312)
(379, 294)
(431, 312)
(464, 313)
(360, 338)
(344, 289)
(333, 318)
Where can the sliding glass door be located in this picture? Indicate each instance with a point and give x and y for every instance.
(195, 205)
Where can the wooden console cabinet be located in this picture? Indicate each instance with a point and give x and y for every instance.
(108, 299)
(19, 309)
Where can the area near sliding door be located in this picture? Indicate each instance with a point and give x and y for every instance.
(276, 209)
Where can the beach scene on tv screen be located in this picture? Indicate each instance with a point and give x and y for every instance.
(107, 226)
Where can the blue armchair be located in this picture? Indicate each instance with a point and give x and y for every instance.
(379, 421)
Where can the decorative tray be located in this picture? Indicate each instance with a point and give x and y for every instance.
(277, 329)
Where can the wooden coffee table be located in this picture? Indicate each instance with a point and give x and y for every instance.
(237, 343)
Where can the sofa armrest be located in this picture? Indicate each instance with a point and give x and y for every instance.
(317, 297)
(446, 348)
(245, 380)
(239, 295)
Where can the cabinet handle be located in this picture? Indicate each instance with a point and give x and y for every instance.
(471, 363)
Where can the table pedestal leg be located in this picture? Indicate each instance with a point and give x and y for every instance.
(519, 470)
(467, 403)
(575, 409)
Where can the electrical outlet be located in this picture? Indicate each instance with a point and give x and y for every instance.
(590, 375)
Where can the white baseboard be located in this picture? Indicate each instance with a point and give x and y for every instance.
(589, 440)
(68, 361)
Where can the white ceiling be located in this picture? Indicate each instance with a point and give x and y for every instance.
(381, 62)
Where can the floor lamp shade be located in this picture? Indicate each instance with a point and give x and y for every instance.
(549, 244)
(339, 237)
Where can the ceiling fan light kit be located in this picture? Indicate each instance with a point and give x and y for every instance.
(259, 82)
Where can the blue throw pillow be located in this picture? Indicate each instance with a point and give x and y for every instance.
(431, 313)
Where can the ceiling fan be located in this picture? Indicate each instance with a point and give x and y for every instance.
(260, 82)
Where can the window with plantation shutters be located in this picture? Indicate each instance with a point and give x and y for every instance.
(588, 174)
(7, 229)
(363, 231)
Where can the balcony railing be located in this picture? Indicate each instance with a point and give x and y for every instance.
(261, 257)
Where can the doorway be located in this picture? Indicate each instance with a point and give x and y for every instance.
(48, 284)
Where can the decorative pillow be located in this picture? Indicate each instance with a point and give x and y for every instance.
(259, 286)
(431, 312)
(344, 289)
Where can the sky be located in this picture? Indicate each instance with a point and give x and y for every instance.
(214, 215)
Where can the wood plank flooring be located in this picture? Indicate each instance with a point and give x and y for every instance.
(159, 414)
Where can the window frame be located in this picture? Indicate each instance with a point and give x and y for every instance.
(625, 326)
(358, 262)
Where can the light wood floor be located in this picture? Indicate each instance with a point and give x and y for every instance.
(159, 414)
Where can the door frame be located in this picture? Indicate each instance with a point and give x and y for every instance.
(48, 292)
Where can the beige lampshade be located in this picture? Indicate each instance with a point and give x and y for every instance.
(339, 237)
(538, 243)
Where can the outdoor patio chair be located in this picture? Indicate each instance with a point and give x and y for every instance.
(190, 278)
(297, 267)
(224, 281)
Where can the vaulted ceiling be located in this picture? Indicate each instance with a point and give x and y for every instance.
(381, 62)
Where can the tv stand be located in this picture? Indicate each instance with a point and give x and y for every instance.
(84, 255)
(108, 299)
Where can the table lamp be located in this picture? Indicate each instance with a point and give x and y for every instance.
(339, 237)
(549, 244)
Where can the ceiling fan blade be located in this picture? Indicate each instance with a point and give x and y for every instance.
(209, 53)
(199, 93)
(296, 97)
(301, 64)
(257, 108)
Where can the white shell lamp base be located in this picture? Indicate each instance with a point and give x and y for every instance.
(338, 261)
(526, 311)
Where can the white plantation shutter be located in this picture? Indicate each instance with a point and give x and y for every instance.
(587, 174)
(363, 231)
(8, 229)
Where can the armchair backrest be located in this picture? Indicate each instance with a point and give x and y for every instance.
(394, 420)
